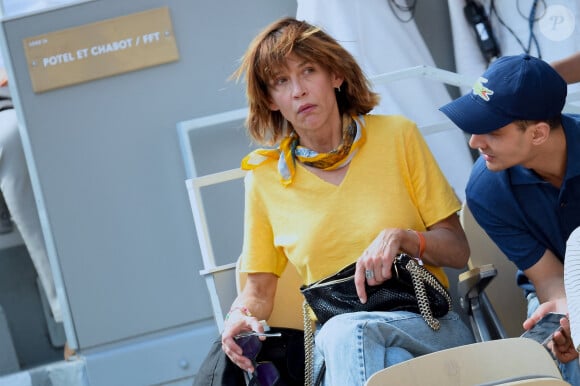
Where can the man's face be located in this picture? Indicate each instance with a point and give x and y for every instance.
(505, 147)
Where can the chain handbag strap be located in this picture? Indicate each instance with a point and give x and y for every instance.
(308, 346)
(420, 276)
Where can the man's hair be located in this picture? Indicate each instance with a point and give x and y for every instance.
(268, 52)
(554, 123)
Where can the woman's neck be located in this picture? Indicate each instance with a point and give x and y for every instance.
(325, 139)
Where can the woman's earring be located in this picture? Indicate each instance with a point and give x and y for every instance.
(338, 89)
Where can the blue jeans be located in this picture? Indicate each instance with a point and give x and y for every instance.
(571, 370)
(356, 345)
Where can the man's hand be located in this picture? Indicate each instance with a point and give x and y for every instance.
(562, 345)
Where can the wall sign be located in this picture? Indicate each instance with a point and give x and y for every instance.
(97, 50)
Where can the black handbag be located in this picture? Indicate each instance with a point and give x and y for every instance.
(411, 288)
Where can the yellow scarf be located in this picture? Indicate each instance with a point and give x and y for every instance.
(353, 137)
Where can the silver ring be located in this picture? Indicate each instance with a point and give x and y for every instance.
(369, 274)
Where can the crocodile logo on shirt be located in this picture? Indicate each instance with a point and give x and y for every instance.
(480, 90)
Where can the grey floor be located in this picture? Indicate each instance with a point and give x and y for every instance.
(20, 299)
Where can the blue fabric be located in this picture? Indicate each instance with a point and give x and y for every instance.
(523, 214)
(358, 344)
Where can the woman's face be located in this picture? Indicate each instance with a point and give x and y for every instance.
(303, 92)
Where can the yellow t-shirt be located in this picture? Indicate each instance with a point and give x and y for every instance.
(392, 182)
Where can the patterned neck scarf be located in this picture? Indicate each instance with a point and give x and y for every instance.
(353, 137)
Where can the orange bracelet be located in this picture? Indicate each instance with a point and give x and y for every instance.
(421, 244)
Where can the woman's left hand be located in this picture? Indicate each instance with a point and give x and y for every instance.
(444, 244)
(374, 266)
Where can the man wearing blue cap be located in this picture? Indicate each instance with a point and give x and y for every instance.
(524, 189)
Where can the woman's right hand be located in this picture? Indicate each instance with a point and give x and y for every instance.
(237, 323)
(258, 293)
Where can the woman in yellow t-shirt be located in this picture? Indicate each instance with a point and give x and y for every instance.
(338, 186)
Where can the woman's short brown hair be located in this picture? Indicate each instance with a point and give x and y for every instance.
(268, 52)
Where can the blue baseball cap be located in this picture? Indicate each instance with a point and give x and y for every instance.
(519, 87)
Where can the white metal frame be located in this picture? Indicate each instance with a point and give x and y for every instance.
(194, 186)
(185, 127)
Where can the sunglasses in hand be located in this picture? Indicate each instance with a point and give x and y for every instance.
(265, 373)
